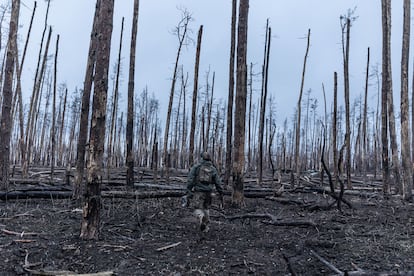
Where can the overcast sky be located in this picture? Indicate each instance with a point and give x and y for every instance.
(157, 46)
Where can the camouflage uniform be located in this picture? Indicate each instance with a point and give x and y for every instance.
(201, 193)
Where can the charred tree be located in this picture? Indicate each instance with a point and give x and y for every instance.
(346, 29)
(90, 226)
(84, 117)
(131, 85)
(181, 32)
(229, 129)
(263, 100)
(194, 99)
(240, 112)
(407, 184)
(386, 87)
(5, 122)
(298, 110)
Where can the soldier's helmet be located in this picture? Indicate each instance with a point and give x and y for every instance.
(206, 156)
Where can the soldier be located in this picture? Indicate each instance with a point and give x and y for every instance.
(200, 183)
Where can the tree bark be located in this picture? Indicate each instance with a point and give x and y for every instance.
(405, 135)
(194, 99)
(131, 84)
(298, 111)
(86, 95)
(386, 86)
(365, 160)
(53, 132)
(345, 45)
(240, 112)
(229, 129)
(5, 122)
(265, 74)
(181, 31)
(90, 226)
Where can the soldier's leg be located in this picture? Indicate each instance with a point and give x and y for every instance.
(199, 207)
(206, 212)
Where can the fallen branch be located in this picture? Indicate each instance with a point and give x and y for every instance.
(66, 273)
(328, 264)
(273, 220)
(168, 246)
(21, 234)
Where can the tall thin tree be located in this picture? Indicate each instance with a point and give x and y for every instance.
(194, 100)
(5, 122)
(405, 134)
(386, 86)
(181, 31)
(131, 84)
(86, 95)
(90, 226)
(240, 112)
(230, 101)
(263, 100)
(298, 113)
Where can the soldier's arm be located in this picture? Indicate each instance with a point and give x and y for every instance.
(191, 179)
(218, 184)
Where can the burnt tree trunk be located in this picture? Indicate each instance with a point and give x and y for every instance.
(90, 226)
(407, 184)
(5, 122)
(194, 100)
(240, 112)
(386, 86)
(229, 129)
(345, 51)
(265, 70)
(131, 84)
(298, 114)
(84, 117)
(181, 32)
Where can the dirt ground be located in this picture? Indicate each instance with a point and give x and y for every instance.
(159, 237)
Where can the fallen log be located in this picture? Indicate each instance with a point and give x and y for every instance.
(273, 219)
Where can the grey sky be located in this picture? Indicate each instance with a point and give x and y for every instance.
(156, 46)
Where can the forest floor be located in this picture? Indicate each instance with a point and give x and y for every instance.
(271, 235)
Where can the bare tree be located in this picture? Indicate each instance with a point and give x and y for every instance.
(386, 87)
(365, 161)
(86, 95)
(263, 100)
(114, 111)
(131, 84)
(53, 132)
(90, 226)
(5, 122)
(229, 129)
(346, 29)
(240, 112)
(182, 35)
(194, 100)
(405, 135)
(298, 110)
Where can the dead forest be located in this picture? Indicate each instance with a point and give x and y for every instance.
(82, 150)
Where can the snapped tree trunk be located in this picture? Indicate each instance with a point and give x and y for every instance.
(181, 32)
(345, 48)
(229, 129)
(407, 184)
(194, 100)
(131, 84)
(386, 86)
(298, 114)
(265, 70)
(5, 122)
(84, 117)
(90, 225)
(240, 112)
